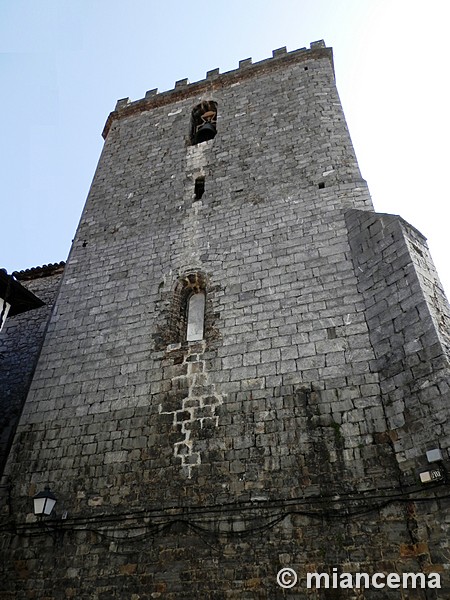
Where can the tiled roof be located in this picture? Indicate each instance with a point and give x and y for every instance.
(44, 271)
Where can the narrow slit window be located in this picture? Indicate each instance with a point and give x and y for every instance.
(196, 317)
(199, 188)
(331, 333)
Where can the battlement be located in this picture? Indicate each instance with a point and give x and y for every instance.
(215, 80)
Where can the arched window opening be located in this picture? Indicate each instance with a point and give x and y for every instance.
(196, 317)
(188, 316)
(204, 122)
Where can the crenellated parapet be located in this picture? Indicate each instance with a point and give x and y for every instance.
(215, 80)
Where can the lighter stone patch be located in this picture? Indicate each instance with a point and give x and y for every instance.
(200, 407)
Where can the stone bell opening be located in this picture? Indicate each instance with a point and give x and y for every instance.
(204, 122)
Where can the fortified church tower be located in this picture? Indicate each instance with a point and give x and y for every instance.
(246, 367)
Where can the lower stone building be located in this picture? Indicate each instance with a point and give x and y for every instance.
(243, 388)
(20, 343)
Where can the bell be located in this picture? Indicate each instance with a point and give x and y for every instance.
(205, 132)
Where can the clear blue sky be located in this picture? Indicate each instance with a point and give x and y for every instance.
(63, 65)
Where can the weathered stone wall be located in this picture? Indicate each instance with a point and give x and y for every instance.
(198, 469)
(20, 343)
(408, 320)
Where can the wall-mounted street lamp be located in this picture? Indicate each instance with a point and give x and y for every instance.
(44, 502)
(14, 297)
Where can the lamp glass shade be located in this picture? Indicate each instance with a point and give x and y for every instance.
(44, 502)
(4, 309)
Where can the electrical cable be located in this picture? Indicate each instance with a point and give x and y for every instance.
(201, 528)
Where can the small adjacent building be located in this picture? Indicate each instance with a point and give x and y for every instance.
(27, 299)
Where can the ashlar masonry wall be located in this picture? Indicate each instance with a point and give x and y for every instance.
(199, 468)
(408, 319)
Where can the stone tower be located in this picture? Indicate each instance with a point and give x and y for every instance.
(245, 366)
